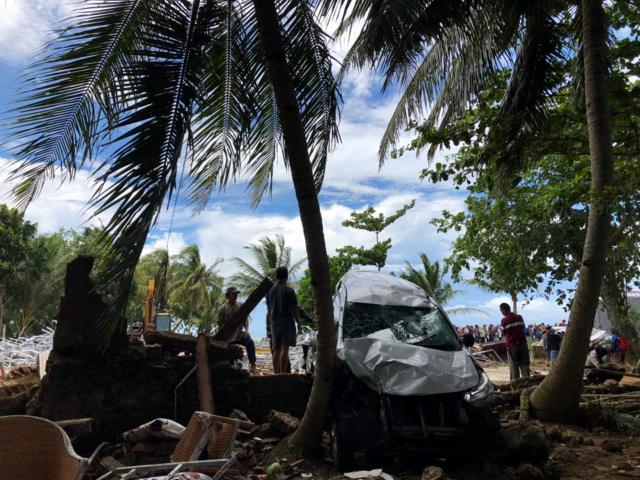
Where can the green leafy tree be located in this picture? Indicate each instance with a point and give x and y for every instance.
(532, 234)
(16, 235)
(370, 221)
(225, 86)
(268, 254)
(431, 278)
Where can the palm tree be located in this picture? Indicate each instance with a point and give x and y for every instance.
(442, 51)
(195, 288)
(224, 86)
(431, 279)
(269, 254)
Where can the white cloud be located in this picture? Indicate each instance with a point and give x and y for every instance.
(536, 310)
(173, 241)
(223, 233)
(59, 205)
(25, 25)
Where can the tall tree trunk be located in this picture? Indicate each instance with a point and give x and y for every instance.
(309, 432)
(558, 395)
(614, 299)
(514, 302)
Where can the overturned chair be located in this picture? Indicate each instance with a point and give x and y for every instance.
(33, 448)
(203, 429)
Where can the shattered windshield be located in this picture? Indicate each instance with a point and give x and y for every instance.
(425, 326)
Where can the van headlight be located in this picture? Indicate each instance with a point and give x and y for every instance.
(481, 393)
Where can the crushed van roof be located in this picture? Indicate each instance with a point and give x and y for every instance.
(381, 288)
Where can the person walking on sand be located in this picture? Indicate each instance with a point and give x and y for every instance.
(284, 314)
(240, 336)
(515, 339)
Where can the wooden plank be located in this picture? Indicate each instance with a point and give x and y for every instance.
(243, 312)
(203, 374)
(74, 421)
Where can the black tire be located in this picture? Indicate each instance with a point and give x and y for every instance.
(340, 453)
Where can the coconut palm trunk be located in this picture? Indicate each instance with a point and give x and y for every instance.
(558, 395)
(308, 434)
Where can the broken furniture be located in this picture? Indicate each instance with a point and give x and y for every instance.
(202, 429)
(33, 448)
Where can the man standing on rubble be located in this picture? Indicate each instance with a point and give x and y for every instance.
(283, 311)
(240, 336)
(515, 340)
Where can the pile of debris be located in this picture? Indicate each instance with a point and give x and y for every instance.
(24, 350)
(158, 442)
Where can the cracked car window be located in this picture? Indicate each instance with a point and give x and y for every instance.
(425, 326)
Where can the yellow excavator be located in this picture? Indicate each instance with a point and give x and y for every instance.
(155, 319)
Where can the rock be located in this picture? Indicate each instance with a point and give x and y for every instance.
(283, 422)
(563, 455)
(555, 434)
(610, 382)
(433, 473)
(612, 445)
(522, 443)
(529, 472)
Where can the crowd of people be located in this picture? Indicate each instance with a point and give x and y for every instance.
(495, 333)
(482, 333)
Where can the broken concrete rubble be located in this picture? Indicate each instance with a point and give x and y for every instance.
(283, 422)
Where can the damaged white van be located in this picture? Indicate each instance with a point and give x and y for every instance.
(403, 380)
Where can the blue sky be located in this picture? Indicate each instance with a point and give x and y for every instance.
(353, 181)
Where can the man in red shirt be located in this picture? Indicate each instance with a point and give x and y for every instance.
(515, 339)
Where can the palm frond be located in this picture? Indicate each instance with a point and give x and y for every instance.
(448, 76)
(222, 117)
(70, 90)
(534, 79)
(161, 86)
(239, 114)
